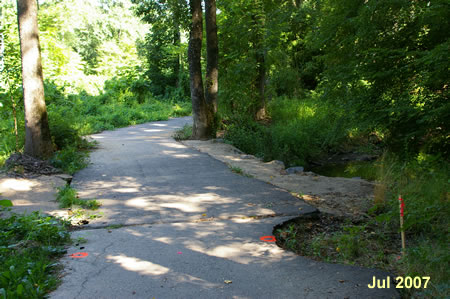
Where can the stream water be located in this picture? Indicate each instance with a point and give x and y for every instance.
(363, 169)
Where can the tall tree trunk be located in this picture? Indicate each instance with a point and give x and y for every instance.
(260, 84)
(176, 64)
(212, 56)
(203, 123)
(38, 142)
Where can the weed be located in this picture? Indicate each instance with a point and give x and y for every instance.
(236, 169)
(80, 240)
(239, 170)
(114, 226)
(289, 236)
(350, 242)
(67, 197)
(184, 133)
(5, 203)
(29, 246)
(300, 131)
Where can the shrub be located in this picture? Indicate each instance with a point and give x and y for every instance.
(70, 159)
(61, 128)
(29, 245)
(184, 133)
(300, 131)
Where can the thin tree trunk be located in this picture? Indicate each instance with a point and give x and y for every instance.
(13, 103)
(16, 131)
(260, 83)
(212, 56)
(261, 86)
(202, 128)
(176, 66)
(38, 141)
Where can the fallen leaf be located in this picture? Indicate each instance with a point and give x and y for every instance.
(204, 215)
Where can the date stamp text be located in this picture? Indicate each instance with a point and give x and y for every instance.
(400, 282)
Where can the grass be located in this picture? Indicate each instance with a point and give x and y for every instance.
(375, 242)
(300, 130)
(74, 115)
(67, 197)
(239, 170)
(184, 133)
(29, 248)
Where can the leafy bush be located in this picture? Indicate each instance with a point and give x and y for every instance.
(301, 130)
(29, 245)
(62, 131)
(70, 159)
(246, 135)
(184, 133)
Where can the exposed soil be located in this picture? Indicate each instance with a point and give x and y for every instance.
(373, 250)
(311, 225)
(21, 165)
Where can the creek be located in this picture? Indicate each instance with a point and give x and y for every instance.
(368, 170)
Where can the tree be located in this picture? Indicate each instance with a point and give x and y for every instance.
(38, 142)
(212, 52)
(202, 108)
(243, 56)
(163, 46)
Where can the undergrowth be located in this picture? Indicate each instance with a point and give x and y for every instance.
(67, 197)
(184, 133)
(300, 130)
(423, 183)
(29, 248)
(72, 116)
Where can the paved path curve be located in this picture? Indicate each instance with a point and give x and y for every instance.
(179, 224)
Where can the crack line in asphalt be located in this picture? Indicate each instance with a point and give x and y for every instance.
(210, 219)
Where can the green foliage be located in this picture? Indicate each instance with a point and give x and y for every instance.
(70, 159)
(423, 183)
(67, 197)
(5, 203)
(350, 242)
(239, 170)
(29, 245)
(380, 57)
(241, 51)
(432, 259)
(289, 235)
(164, 47)
(183, 133)
(301, 130)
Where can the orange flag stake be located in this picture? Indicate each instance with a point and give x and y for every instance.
(402, 231)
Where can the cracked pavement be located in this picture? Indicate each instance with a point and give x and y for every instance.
(179, 224)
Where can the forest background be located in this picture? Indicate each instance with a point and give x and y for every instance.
(298, 81)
